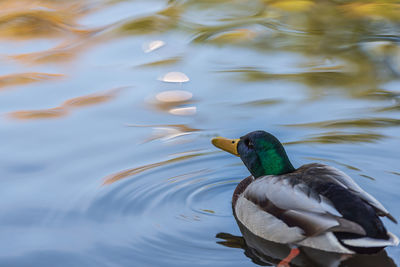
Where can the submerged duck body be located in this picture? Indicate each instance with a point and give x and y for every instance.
(315, 205)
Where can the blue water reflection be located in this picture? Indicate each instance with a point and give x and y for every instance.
(93, 175)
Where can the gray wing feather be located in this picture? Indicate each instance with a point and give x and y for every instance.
(313, 213)
(314, 224)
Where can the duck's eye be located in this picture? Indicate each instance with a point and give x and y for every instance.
(248, 143)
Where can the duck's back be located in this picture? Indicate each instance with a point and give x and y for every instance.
(317, 200)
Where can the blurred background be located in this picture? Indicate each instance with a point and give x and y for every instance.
(107, 109)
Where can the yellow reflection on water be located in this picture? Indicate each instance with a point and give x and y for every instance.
(340, 138)
(161, 21)
(352, 123)
(234, 36)
(292, 5)
(378, 10)
(33, 19)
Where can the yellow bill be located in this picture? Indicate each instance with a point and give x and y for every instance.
(228, 145)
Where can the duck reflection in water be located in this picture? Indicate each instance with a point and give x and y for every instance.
(315, 207)
(266, 253)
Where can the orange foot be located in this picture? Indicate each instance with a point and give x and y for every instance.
(285, 262)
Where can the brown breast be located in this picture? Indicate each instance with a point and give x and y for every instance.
(240, 189)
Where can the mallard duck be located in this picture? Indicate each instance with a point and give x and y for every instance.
(315, 206)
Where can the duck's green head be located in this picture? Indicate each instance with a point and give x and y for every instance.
(260, 151)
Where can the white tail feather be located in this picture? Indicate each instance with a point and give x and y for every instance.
(368, 242)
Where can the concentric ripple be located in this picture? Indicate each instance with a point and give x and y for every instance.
(171, 219)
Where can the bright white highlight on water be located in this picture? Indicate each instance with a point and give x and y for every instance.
(174, 96)
(154, 45)
(174, 77)
(186, 111)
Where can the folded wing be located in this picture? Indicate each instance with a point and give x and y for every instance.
(328, 172)
(298, 206)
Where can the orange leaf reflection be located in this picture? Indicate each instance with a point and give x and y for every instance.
(130, 172)
(63, 52)
(91, 99)
(65, 107)
(57, 54)
(167, 132)
(25, 78)
(39, 114)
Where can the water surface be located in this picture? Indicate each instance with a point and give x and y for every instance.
(108, 107)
